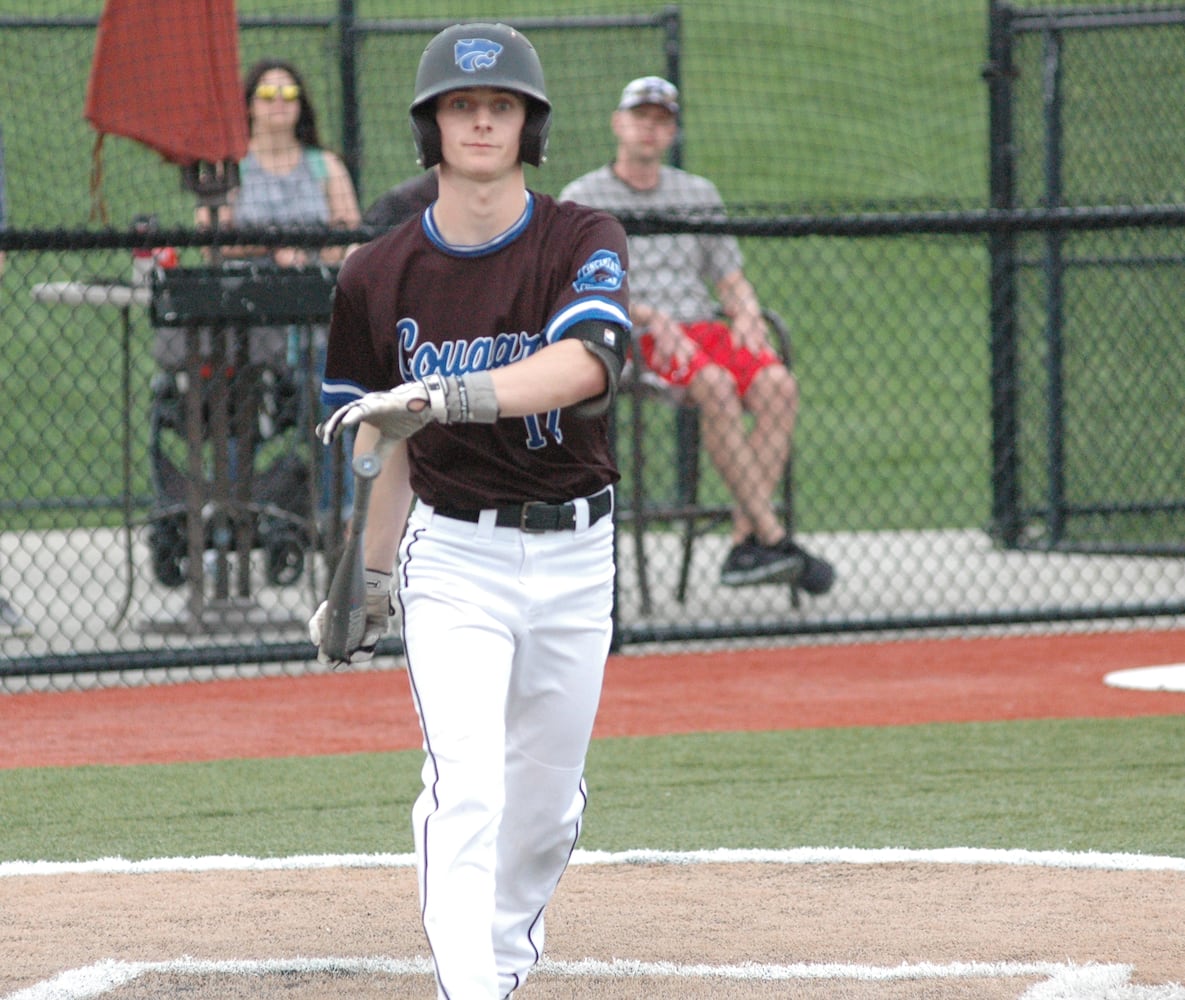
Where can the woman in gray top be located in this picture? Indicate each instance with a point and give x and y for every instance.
(287, 178)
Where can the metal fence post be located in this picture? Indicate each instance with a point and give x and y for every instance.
(671, 46)
(351, 123)
(1054, 271)
(999, 74)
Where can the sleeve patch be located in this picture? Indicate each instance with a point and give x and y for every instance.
(600, 273)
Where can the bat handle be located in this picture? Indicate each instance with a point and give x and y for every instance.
(366, 467)
(345, 613)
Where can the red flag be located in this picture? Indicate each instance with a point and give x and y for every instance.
(167, 76)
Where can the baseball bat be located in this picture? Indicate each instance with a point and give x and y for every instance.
(345, 611)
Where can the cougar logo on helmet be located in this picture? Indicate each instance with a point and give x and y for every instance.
(473, 54)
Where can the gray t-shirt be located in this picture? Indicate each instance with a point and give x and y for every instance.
(674, 273)
(295, 198)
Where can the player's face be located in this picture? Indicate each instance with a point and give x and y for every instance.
(480, 130)
(645, 132)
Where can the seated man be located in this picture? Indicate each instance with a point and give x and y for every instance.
(723, 369)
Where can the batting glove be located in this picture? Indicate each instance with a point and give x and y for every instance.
(379, 610)
(398, 413)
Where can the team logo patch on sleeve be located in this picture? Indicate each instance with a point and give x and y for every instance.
(473, 54)
(600, 273)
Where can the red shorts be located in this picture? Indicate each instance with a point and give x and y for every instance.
(715, 348)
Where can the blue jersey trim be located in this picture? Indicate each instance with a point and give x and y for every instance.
(480, 249)
(590, 307)
(338, 392)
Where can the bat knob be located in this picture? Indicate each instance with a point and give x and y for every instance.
(367, 465)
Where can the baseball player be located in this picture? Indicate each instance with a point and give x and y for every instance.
(477, 347)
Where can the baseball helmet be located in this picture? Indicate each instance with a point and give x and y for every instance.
(480, 55)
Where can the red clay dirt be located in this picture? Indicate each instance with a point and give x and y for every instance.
(798, 687)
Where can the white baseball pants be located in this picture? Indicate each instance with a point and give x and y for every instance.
(506, 634)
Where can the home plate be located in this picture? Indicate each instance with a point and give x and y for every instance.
(1170, 677)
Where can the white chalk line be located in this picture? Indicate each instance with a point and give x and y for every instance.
(795, 856)
(1060, 981)
(1090, 982)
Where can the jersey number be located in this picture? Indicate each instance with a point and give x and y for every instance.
(537, 434)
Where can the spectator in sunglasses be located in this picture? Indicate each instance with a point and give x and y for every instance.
(287, 177)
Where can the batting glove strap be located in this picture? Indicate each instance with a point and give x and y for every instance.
(378, 596)
(465, 399)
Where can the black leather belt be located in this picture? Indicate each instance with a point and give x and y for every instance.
(536, 515)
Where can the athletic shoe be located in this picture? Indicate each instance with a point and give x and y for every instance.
(817, 574)
(750, 562)
(12, 622)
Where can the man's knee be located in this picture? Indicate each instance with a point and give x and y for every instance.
(716, 377)
(713, 385)
(774, 390)
(776, 381)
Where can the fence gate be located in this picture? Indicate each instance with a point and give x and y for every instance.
(1088, 373)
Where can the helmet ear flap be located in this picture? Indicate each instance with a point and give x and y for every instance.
(533, 144)
(426, 134)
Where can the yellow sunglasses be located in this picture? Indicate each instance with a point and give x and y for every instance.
(270, 91)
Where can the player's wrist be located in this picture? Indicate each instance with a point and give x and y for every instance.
(462, 399)
(378, 594)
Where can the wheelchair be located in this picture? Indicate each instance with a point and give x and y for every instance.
(278, 504)
(231, 425)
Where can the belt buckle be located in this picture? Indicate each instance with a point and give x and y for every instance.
(523, 514)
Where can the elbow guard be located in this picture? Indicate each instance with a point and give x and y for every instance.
(608, 343)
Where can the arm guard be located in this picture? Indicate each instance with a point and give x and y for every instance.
(608, 342)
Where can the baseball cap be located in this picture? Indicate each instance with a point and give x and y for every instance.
(650, 90)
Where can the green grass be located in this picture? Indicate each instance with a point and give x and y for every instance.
(1095, 785)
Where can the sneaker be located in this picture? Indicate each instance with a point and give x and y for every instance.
(12, 622)
(750, 562)
(817, 575)
(786, 561)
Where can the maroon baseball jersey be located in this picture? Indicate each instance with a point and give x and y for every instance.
(408, 304)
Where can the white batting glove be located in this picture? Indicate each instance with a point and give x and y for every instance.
(378, 619)
(398, 413)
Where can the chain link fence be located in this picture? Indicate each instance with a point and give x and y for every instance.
(989, 387)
